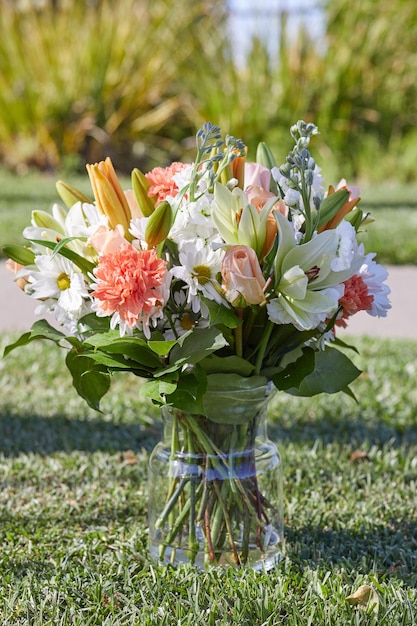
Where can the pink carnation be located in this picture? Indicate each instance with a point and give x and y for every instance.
(162, 181)
(356, 298)
(130, 284)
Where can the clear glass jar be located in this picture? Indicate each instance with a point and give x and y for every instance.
(215, 485)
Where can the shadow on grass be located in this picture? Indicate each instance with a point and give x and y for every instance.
(388, 550)
(24, 434)
(343, 429)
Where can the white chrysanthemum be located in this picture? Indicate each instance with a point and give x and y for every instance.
(199, 267)
(138, 229)
(347, 247)
(183, 177)
(194, 221)
(374, 276)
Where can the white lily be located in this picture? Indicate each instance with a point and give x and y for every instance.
(238, 221)
(307, 289)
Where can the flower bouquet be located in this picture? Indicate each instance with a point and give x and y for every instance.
(213, 281)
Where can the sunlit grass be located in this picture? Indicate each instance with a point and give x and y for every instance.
(74, 504)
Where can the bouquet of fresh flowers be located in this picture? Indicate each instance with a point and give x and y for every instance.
(201, 269)
(220, 273)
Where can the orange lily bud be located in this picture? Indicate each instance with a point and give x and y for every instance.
(109, 195)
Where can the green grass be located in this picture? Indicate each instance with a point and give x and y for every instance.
(392, 236)
(74, 500)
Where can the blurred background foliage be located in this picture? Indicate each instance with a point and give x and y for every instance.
(135, 79)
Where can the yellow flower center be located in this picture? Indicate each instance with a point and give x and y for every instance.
(63, 281)
(202, 273)
(186, 322)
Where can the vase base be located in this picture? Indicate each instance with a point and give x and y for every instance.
(257, 560)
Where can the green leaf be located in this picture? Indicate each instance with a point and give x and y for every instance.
(41, 329)
(333, 372)
(90, 382)
(233, 399)
(189, 393)
(220, 314)
(161, 348)
(193, 347)
(331, 204)
(229, 383)
(85, 266)
(295, 372)
(98, 324)
(157, 390)
(20, 254)
(133, 347)
(230, 364)
(117, 362)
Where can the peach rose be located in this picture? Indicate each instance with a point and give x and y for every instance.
(243, 281)
(107, 241)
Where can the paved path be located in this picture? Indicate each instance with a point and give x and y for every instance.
(17, 309)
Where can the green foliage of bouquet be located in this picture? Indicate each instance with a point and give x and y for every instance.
(203, 274)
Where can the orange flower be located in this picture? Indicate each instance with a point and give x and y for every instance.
(356, 298)
(109, 195)
(131, 284)
(162, 181)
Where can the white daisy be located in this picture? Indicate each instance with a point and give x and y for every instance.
(199, 267)
(57, 282)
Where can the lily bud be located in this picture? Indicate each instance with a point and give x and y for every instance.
(109, 195)
(42, 219)
(70, 195)
(140, 186)
(264, 156)
(159, 224)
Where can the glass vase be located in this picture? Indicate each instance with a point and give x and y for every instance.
(215, 485)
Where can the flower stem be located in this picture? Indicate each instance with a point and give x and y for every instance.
(224, 510)
(239, 334)
(263, 346)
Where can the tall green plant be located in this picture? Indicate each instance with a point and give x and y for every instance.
(369, 94)
(89, 78)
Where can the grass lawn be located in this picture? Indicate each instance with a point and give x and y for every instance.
(392, 236)
(74, 501)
